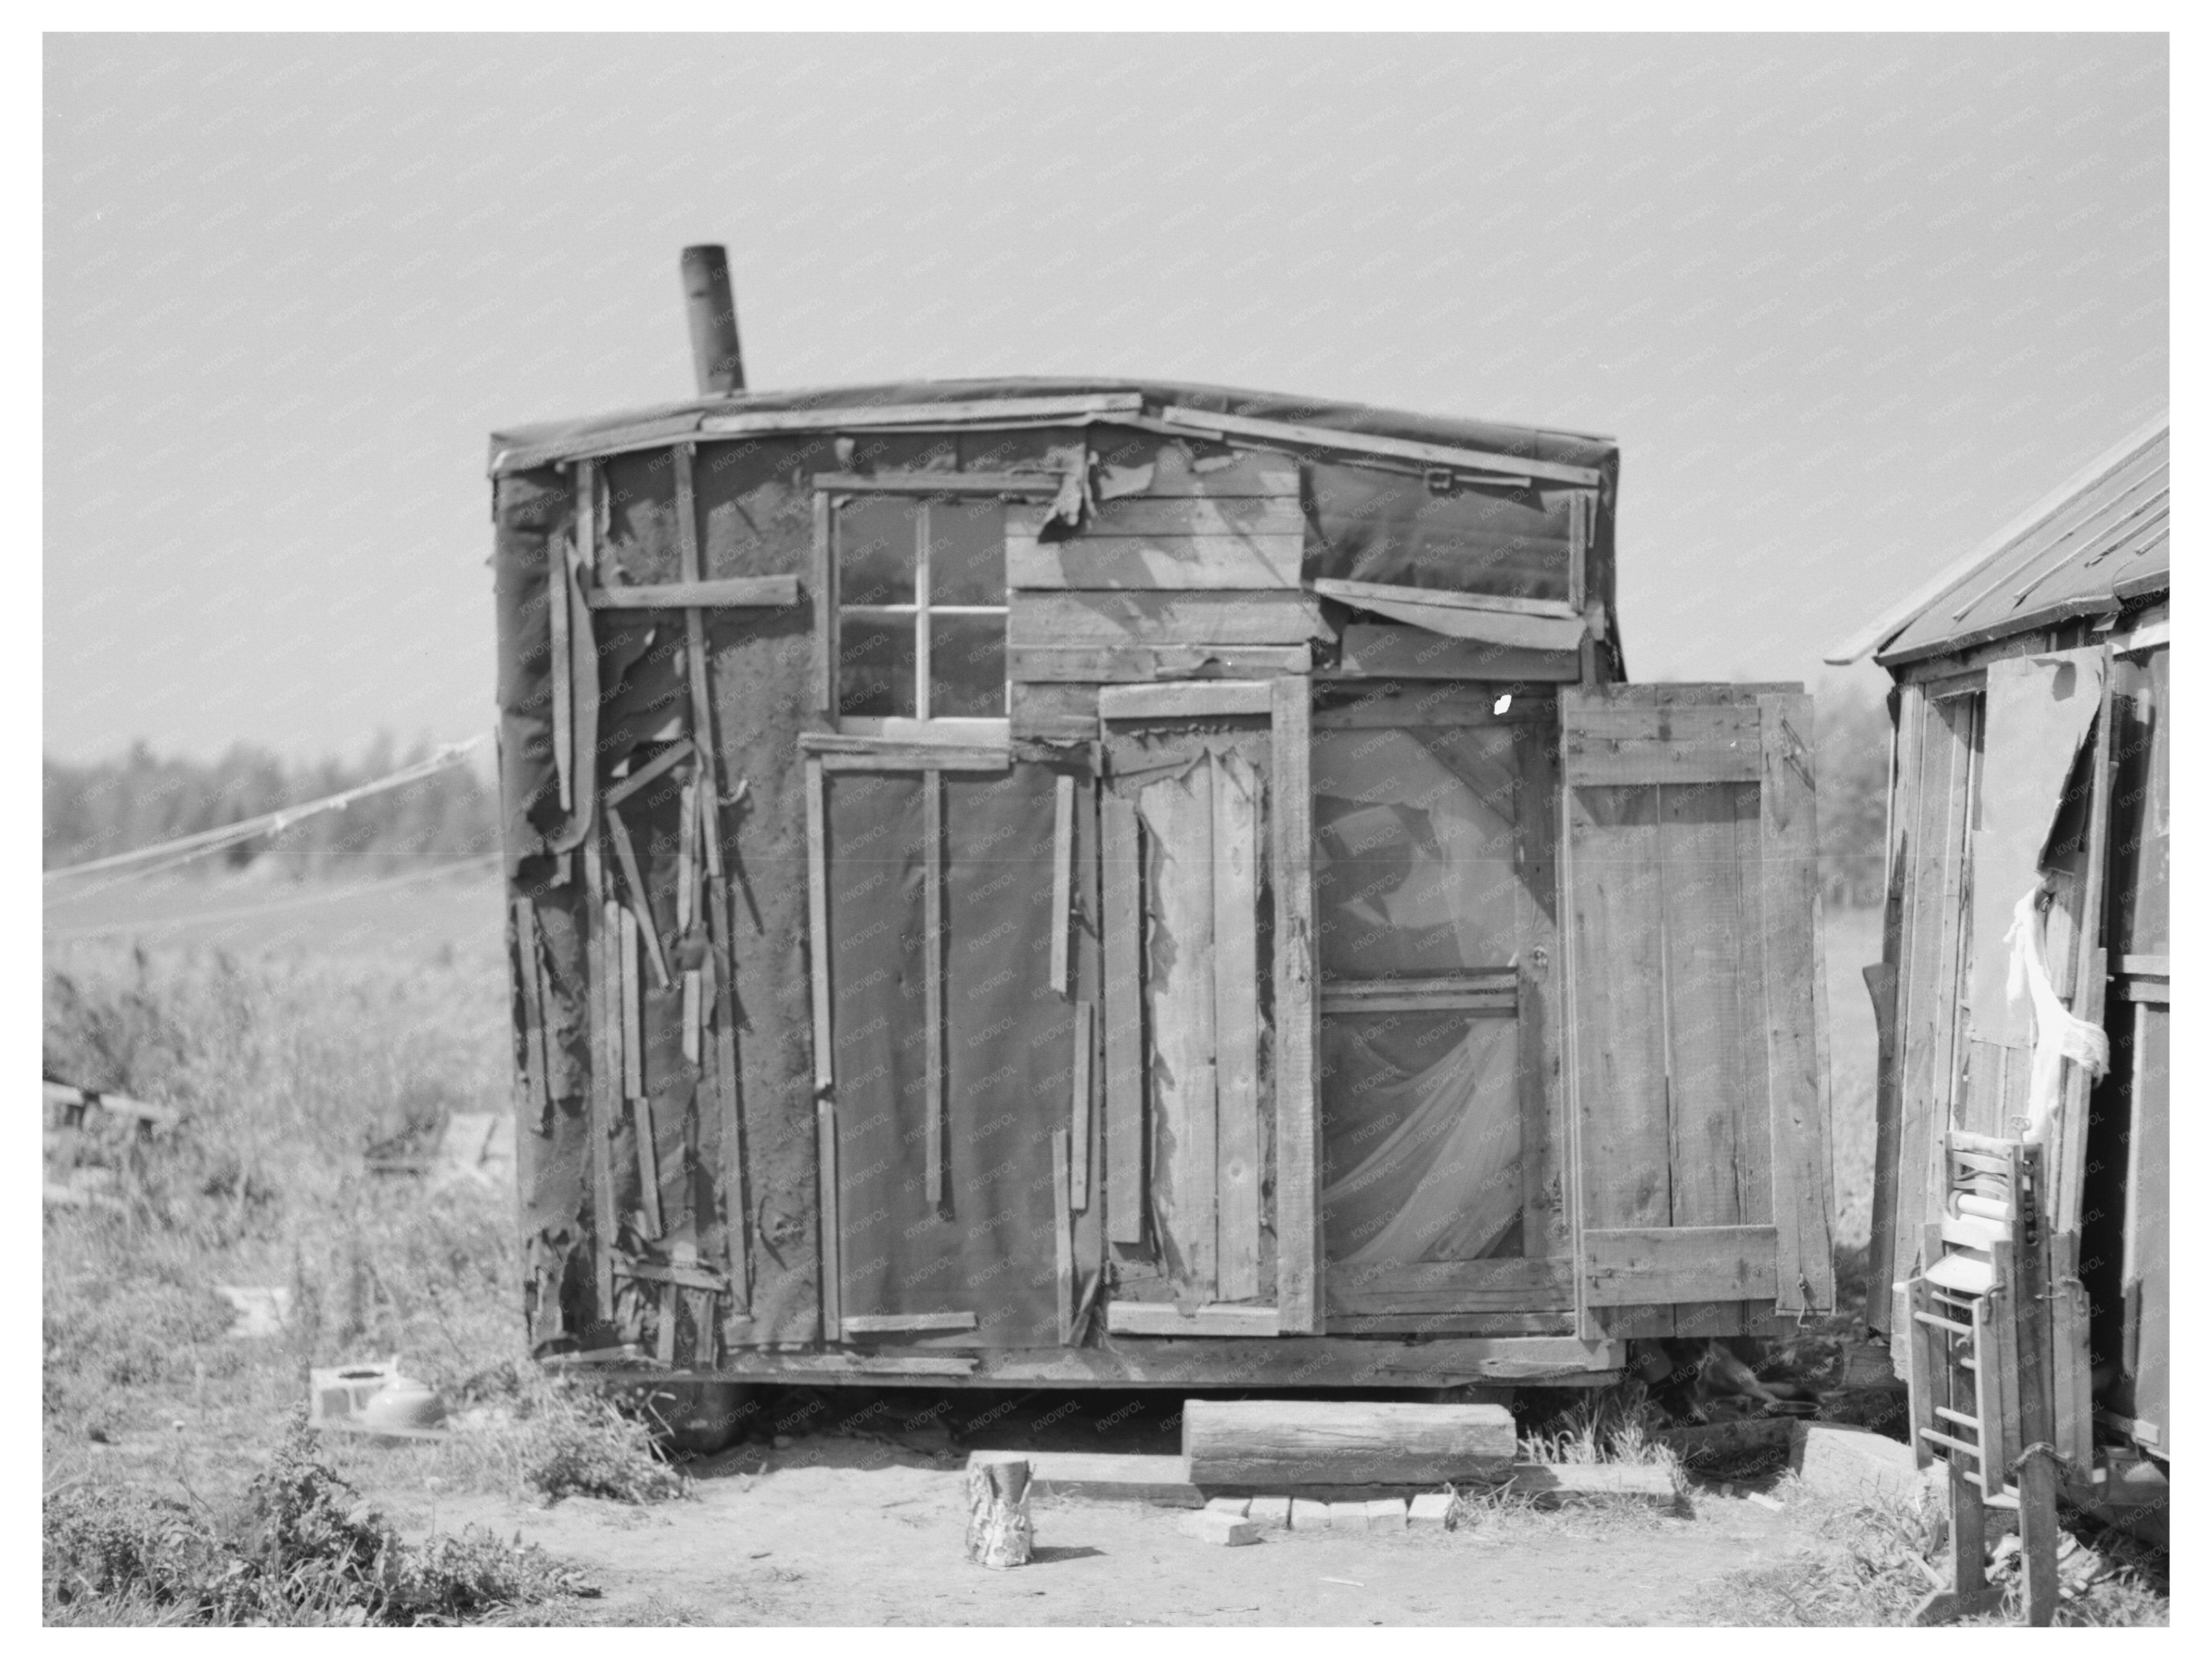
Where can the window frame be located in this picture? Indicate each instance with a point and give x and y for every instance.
(831, 491)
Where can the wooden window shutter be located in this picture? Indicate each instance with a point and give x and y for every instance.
(1698, 1063)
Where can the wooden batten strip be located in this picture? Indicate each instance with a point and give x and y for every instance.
(687, 879)
(1017, 484)
(1238, 1161)
(1179, 699)
(1187, 617)
(933, 943)
(557, 624)
(825, 1109)
(1314, 437)
(607, 1073)
(729, 592)
(1298, 1271)
(825, 604)
(914, 758)
(1063, 1241)
(1079, 1111)
(1063, 878)
(738, 1219)
(1121, 924)
(623, 788)
(537, 1086)
(640, 904)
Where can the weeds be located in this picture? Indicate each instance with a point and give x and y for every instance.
(303, 1548)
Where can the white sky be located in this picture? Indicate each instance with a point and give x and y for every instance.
(1848, 302)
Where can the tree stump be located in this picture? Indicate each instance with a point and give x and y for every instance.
(998, 1532)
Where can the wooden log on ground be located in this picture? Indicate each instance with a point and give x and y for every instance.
(1279, 1442)
(1721, 1443)
(999, 1531)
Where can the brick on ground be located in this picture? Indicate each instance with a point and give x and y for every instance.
(1308, 1515)
(1216, 1527)
(1270, 1513)
(1430, 1509)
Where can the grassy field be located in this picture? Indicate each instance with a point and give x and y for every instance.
(295, 1026)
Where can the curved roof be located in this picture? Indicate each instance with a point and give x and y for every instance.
(950, 402)
(2097, 542)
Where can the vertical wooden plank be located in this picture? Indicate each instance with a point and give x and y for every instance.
(1063, 875)
(687, 878)
(2088, 989)
(633, 1040)
(736, 1217)
(1236, 1028)
(1898, 845)
(1121, 926)
(825, 607)
(1063, 1241)
(556, 662)
(537, 1081)
(933, 945)
(1703, 943)
(1543, 1139)
(607, 1073)
(825, 1109)
(1620, 1075)
(1178, 817)
(1079, 1111)
(1796, 1055)
(1298, 1273)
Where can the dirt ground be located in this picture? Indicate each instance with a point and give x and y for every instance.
(853, 1532)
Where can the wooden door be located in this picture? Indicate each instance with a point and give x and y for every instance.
(1697, 1044)
(1434, 913)
(1209, 991)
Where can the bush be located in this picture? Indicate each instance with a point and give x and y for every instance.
(304, 1549)
(576, 1444)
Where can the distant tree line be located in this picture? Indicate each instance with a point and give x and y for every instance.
(1851, 762)
(106, 807)
(112, 807)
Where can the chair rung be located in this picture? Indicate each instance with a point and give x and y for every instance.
(1974, 1452)
(1943, 1324)
(1960, 1418)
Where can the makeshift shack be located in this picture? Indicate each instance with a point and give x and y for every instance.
(1102, 882)
(2023, 993)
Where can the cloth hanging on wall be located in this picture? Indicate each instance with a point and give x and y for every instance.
(2059, 1036)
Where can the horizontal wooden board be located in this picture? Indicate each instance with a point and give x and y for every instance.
(1556, 1323)
(1511, 1285)
(1443, 455)
(1374, 651)
(1496, 628)
(1052, 711)
(1127, 664)
(1358, 592)
(1165, 1319)
(1132, 618)
(1210, 560)
(767, 593)
(873, 1324)
(1629, 1267)
(1607, 743)
(1184, 697)
(1299, 1442)
(1364, 999)
(921, 757)
(1148, 517)
(1429, 703)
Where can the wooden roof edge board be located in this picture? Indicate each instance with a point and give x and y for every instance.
(1248, 426)
(1354, 592)
(2029, 622)
(976, 412)
(1902, 615)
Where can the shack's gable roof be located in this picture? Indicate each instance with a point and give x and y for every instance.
(536, 444)
(2097, 542)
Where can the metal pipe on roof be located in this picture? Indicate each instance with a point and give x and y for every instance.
(714, 317)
